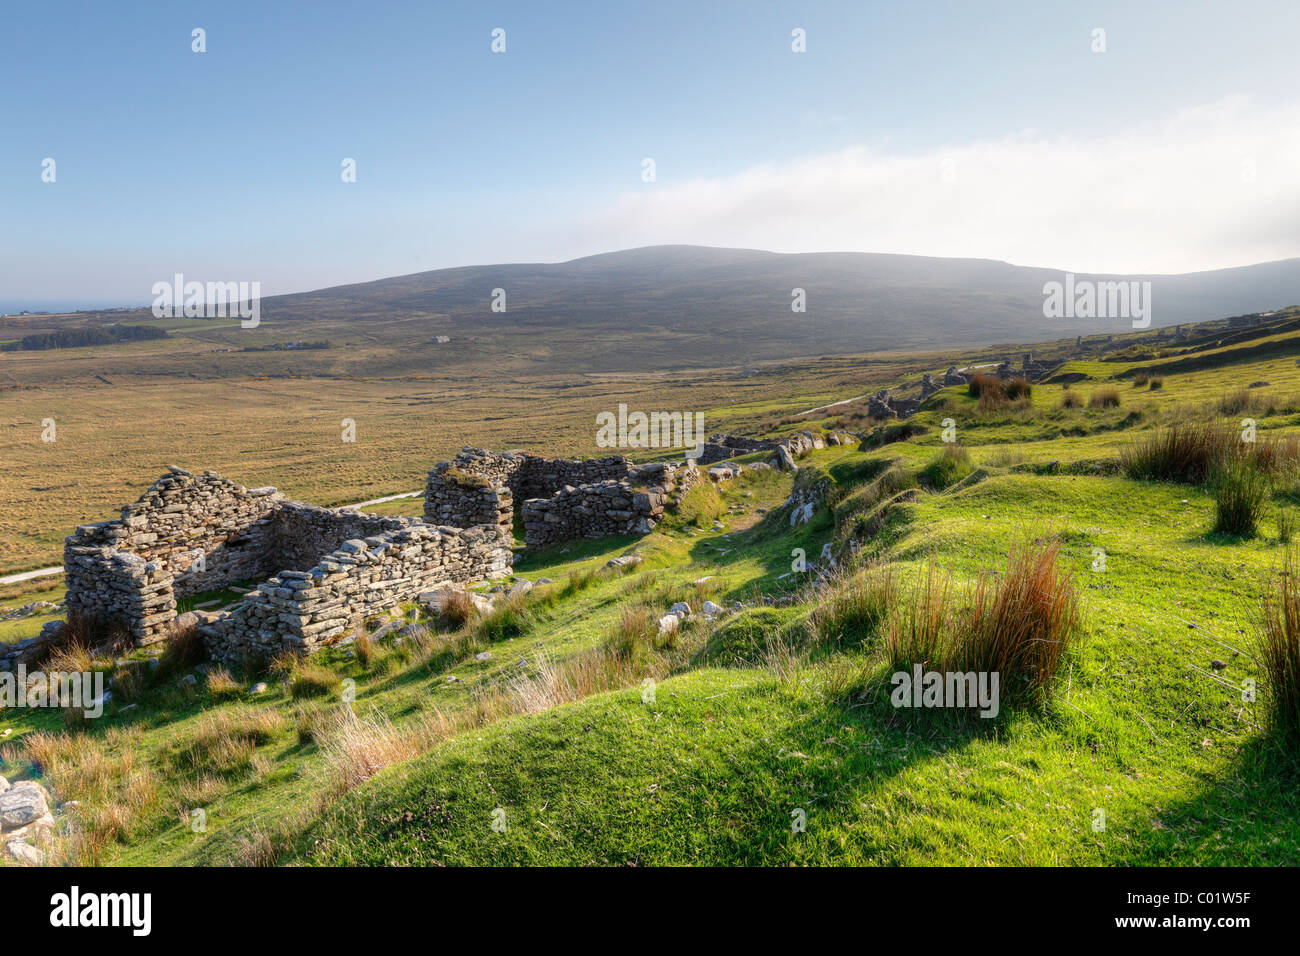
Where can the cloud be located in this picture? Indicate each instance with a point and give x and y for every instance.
(1210, 187)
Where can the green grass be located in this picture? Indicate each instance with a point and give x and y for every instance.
(783, 711)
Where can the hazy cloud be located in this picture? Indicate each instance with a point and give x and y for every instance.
(1210, 187)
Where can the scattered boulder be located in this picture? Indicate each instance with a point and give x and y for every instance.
(681, 609)
(624, 561)
(23, 804)
(712, 610)
(801, 514)
(436, 601)
(23, 852)
(669, 622)
(1259, 384)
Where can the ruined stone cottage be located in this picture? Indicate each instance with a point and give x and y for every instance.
(322, 570)
(560, 499)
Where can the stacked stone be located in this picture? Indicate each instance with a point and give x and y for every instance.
(182, 516)
(721, 447)
(884, 405)
(791, 448)
(301, 533)
(506, 476)
(597, 509)
(537, 477)
(448, 502)
(122, 587)
(302, 610)
(133, 570)
(31, 650)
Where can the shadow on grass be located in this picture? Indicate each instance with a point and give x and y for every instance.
(1246, 816)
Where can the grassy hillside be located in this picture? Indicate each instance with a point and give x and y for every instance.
(661, 307)
(554, 749)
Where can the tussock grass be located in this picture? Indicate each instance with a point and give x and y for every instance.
(363, 646)
(222, 686)
(950, 466)
(634, 633)
(1020, 623)
(309, 678)
(71, 657)
(982, 382)
(509, 617)
(1188, 452)
(1279, 653)
(183, 650)
(459, 609)
(1205, 452)
(1104, 398)
(1240, 491)
(226, 740)
(853, 607)
(355, 747)
(995, 395)
(920, 628)
(115, 788)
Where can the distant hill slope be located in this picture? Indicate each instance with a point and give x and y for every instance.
(734, 305)
(661, 308)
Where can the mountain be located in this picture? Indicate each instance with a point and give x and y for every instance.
(718, 306)
(639, 310)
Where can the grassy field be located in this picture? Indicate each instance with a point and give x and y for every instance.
(112, 441)
(551, 750)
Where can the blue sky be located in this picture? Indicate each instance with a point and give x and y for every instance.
(225, 164)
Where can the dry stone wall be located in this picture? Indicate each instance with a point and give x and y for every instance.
(185, 535)
(189, 534)
(721, 447)
(480, 487)
(560, 498)
(597, 509)
(303, 610)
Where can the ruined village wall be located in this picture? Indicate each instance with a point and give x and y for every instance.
(302, 533)
(450, 500)
(453, 497)
(132, 570)
(302, 610)
(597, 509)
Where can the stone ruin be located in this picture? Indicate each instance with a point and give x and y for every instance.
(560, 499)
(721, 447)
(1031, 369)
(321, 572)
(884, 405)
(324, 570)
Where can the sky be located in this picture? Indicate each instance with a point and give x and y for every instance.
(981, 129)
